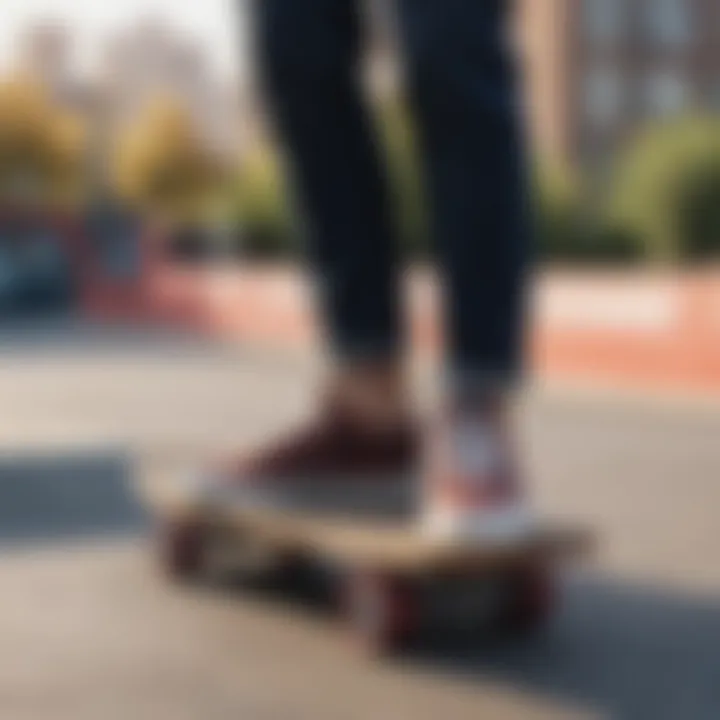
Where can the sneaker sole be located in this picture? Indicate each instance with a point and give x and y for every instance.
(390, 496)
(506, 525)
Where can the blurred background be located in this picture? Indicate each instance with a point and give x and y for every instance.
(137, 171)
(149, 259)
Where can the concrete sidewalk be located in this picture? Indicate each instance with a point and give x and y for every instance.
(90, 631)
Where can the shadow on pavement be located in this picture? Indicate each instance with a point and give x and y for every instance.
(47, 497)
(615, 650)
(622, 652)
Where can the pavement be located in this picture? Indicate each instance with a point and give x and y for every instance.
(91, 631)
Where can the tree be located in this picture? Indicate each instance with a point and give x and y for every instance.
(262, 207)
(557, 199)
(667, 190)
(406, 175)
(41, 147)
(161, 165)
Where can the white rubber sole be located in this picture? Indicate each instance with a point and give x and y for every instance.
(392, 497)
(504, 525)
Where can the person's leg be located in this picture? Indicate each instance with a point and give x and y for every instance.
(309, 52)
(357, 456)
(463, 93)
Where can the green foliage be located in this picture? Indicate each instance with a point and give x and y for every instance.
(42, 148)
(557, 206)
(406, 178)
(566, 228)
(571, 228)
(666, 193)
(262, 209)
(662, 203)
(161, 164)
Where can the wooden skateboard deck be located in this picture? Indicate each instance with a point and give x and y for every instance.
(392, 563)
(383, 544)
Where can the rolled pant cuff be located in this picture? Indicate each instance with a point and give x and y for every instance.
(467, 384)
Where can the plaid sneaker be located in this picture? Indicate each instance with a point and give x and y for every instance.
(471, 487)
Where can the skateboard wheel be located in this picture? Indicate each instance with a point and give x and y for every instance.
(182, 545)
(530, 600)
(382, 611)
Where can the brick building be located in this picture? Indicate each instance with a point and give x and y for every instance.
(599, 69)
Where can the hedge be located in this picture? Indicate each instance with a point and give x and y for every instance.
(662, 201)
(666, 191)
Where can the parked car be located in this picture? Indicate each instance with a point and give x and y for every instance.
(8, 278)
(35, 273)
(45, 275)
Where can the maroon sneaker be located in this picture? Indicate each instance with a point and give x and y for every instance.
(339, 464)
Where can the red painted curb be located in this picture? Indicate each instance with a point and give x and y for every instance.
(649, 330)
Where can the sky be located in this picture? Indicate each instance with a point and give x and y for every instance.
(216, 23)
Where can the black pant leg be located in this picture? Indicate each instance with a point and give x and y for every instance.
(309, 53)
(463, 92)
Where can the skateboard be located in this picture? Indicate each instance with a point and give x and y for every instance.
(390, 582)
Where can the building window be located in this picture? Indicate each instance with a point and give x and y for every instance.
(603, 96)
(668, 22)
(666, 94)
(604, 19)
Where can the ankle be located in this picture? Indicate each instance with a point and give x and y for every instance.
(375, 393)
